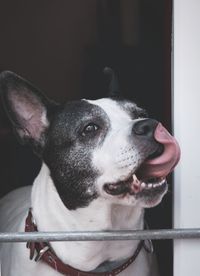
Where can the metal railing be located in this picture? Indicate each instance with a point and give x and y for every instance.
(101, 235)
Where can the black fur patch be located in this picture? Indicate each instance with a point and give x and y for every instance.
(68, 153)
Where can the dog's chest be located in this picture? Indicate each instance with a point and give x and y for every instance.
(49, 213)
(83, 255)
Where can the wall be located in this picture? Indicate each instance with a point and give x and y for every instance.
(187, 130)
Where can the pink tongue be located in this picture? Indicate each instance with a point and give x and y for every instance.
(165, 163)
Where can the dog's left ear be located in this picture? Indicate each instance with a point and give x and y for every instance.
(27, 109)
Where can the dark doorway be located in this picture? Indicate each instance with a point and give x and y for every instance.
(62, 47)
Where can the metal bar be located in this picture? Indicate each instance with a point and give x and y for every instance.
(101, 235)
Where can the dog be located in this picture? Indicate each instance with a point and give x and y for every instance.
(103, 162)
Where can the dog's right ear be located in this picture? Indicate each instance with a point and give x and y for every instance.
(27, 108)
(113, 89)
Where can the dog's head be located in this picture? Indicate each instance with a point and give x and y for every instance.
(103, 148)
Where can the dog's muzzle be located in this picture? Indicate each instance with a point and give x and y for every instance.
(150, 176)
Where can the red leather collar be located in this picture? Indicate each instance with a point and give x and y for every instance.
(45, 253)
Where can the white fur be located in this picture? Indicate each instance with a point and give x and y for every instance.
(115, 159)
(51, 215)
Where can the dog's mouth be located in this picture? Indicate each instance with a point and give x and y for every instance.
(134, 186)
(137, 183)
(150, 176)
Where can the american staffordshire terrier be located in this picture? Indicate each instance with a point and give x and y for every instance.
(103, 162)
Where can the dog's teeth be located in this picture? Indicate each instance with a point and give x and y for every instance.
(143, 185)
(135, 179)
(161, 182)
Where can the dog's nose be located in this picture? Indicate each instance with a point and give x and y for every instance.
(145, 127)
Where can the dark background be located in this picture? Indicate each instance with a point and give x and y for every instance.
(62, 46)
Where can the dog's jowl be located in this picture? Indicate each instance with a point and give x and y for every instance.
(103, 162)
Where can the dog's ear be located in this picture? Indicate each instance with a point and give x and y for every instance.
(113, 89)
(27, 109)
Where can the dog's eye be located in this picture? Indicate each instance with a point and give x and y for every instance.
(89, 129)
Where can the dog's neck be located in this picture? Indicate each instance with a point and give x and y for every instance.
(51, 215)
